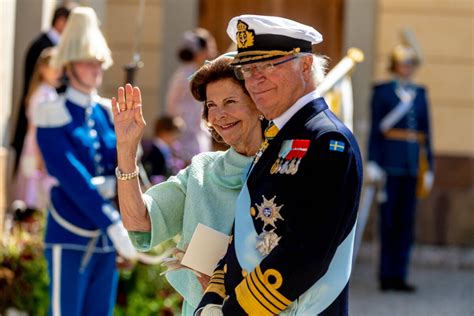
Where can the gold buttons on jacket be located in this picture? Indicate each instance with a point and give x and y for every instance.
(252, 211)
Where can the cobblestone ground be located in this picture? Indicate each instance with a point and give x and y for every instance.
(442, 291)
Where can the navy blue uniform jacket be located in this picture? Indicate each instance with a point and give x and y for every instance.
(319, 209)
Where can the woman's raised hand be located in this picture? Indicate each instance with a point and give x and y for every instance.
(128, 117)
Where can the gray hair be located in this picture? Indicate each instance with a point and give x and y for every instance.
(319, 68)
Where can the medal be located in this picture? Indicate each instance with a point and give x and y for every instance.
(290, 155)
(275, 167)
(269, 212)
(292, 168)
(284, 167)
(267, 241)
(288, 169)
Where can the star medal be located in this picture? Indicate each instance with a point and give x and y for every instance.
(267, 240)
(269, 212)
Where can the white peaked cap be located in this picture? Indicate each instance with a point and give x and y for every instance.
(260, 37)
(82, 39)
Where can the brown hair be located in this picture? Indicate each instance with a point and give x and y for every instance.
(194, 42)
(168, 124)
(210, 72)
(43, 60)
(63, 11)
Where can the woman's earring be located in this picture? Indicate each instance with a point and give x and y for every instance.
(261, 117)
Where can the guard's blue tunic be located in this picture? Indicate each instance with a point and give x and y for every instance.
(399, 157)
(317, 207)
(77, 141)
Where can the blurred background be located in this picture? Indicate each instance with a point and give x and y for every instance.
(152, 28)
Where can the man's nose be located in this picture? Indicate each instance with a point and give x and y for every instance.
(256, 78)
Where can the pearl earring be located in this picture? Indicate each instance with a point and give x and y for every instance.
(261, 117)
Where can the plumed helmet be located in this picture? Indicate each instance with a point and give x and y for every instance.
(82, 39)
(407, 52)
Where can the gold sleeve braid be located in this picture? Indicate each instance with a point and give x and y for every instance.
(257, 296)
(216, 284)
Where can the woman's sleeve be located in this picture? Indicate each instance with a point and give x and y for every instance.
(165, 204)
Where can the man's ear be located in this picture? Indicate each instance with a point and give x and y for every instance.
(307, 64)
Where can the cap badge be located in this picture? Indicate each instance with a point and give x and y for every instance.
(245, 36)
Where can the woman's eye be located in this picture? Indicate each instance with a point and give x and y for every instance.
(229, 102)
(210, 105)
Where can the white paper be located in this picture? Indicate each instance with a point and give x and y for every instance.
(206, 248)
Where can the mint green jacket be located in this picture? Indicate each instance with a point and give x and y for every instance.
(205, 192)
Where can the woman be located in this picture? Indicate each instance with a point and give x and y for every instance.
(206, 190)
(32, 182)
(77, 141)
(196, 46)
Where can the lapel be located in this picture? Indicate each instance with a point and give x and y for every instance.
(292, 129)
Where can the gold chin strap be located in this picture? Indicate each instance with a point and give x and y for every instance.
(262, 54)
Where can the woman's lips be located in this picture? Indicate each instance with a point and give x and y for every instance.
(227, 126)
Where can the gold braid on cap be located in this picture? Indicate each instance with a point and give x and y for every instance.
(262, 54)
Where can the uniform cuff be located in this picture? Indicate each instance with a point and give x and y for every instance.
(231, 307)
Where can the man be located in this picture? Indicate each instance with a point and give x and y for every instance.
(295, 219)
(399, 151)
(44, 40)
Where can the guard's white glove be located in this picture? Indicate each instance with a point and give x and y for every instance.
(428, 180)
(374, 172)
(212, 310)
(122, 243)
